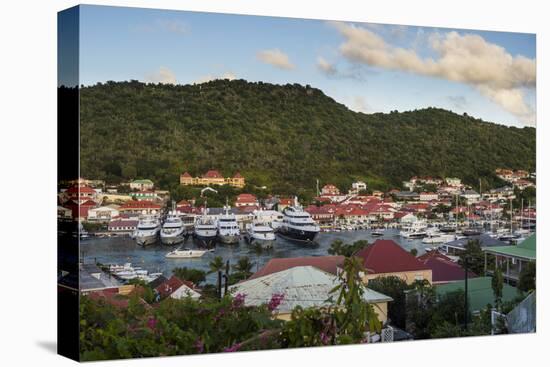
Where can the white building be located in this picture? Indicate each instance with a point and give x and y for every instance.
(103, 213)
(471, 196)
(357, 187)
(428, 196)
(453, 181)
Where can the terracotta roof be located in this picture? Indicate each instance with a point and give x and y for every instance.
(88, 203)
(186, 174)
(443, 268)
(246, 198)
(212, 174)
(238, 175)
(328, 264)
(386, 256)
(82, 189)
(183, 203)
(172, 285)
(139, 205)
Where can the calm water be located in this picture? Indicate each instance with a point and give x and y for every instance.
(117, 250)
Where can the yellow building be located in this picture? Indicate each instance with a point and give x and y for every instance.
(212, 177)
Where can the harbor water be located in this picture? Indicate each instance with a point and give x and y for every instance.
(119, 250)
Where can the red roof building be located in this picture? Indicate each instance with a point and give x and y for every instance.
(444, 270)
(212, 174)
(246, 200)
(387, 258)
(328, 264)
(173, 285)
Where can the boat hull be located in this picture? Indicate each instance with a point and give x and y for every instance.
(172, 240)
(146, 240)
(297, 235)
(229, 239)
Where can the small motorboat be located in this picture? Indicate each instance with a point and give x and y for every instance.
(186, 253)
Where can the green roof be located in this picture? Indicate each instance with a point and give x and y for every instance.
(526, 249)
(480, 292)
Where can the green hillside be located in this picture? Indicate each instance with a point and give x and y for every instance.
(282, 136)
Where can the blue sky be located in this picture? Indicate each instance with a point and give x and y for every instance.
(368, 67)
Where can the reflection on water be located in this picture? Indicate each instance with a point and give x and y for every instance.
(117, 250)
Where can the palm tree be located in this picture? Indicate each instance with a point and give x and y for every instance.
(244, 266)
(216, 265)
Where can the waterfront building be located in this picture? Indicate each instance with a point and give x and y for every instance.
(80, 194)
(142, 185)
(122, 225)
(212, 177)
(139, 207)
(103, 213)
(385, 258)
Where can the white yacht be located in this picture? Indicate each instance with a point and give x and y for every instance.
(298, 225)
(186, 253)
(206, 228)
(438, 237)
(228, 228)
(271, 218)
(415, 230)
(260, 234)
(148, 229)
(173, 230)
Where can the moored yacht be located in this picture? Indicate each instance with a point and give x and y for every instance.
(186, 253)
(206, 229)
(148, 229)
(298, 225)
(415, 230)
(260, 234)
(228, 228)
(172, 231)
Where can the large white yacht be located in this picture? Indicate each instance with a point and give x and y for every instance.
(148, 229)
(206, 229)
(228, 228)
(272, 218)
(260, 234)
(298, 224)
(186, 253)
(173, 230)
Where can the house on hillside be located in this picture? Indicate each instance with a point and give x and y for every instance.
(304, 286)
(142, 185)
(385, 258)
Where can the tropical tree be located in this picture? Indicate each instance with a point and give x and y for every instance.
(497, 283)
(216, 265)
(193, 275)
(527, 277)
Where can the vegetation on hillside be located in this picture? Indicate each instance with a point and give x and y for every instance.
(283, 137)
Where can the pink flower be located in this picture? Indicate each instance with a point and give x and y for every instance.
(238, 301)
(199, 345)
(275, 301)
(152, 323)
(233, 348)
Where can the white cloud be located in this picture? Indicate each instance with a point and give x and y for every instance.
(325, 66)
(174, 26)
(359, 104)
(467, 59)
(276, 58)
(208, 78)
(163, 75)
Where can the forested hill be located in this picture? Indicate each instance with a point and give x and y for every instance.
(282, 136)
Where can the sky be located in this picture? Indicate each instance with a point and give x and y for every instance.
(368, 67)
